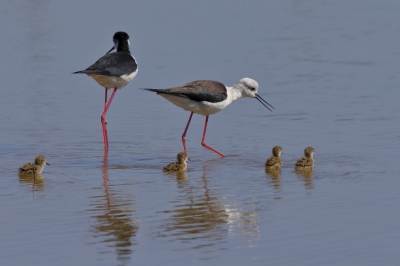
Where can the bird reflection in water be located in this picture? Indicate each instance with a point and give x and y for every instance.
(202, 218)
(275, 180)
(181, 179)
(113, 222)
(36, 180)
(198, 214)
(307, 176)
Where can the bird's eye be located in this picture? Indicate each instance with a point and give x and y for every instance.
(252, 89)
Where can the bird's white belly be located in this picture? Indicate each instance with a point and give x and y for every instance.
(113, 81)
(202, 108)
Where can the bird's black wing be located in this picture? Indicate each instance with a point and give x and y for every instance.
(115, 64)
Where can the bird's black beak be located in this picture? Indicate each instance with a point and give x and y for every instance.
(262, 101)
(48, 164)
(111, 49)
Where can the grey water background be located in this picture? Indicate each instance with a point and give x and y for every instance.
(331, 70)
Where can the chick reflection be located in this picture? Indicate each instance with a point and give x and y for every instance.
(36, 180)
(114, 224)
(307, 176)
(180, 176)
(197, 215)
(182, 179)
(275, 178)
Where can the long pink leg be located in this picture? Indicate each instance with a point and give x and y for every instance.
(103, 117)
(204, 137)
(184, 133)
(104, 122)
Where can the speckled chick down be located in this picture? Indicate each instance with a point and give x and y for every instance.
(274, 161)
(178, 166)
(35, 167)
(307, 161)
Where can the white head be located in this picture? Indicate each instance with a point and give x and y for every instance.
(248, 88)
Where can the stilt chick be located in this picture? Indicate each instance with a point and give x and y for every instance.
(306, 162)
(274, 162)
(35, 167)
(178, 166)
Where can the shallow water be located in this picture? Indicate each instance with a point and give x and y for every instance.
(331, 70)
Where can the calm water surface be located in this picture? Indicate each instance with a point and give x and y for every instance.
(330, 68)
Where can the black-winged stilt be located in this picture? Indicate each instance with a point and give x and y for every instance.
(207, 97)
(113, 70)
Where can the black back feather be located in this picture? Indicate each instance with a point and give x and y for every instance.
(115, 64)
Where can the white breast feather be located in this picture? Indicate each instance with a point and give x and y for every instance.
(113, 81)
(202, 108)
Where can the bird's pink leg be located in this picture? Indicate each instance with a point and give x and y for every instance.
(184, 133)
(104, 122)
(103, 117)
(204, 137)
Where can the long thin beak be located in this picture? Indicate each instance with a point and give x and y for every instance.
(262, 101)
(111, 49)
(48, 164)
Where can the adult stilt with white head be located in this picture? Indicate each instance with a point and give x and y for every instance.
(207, 97)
